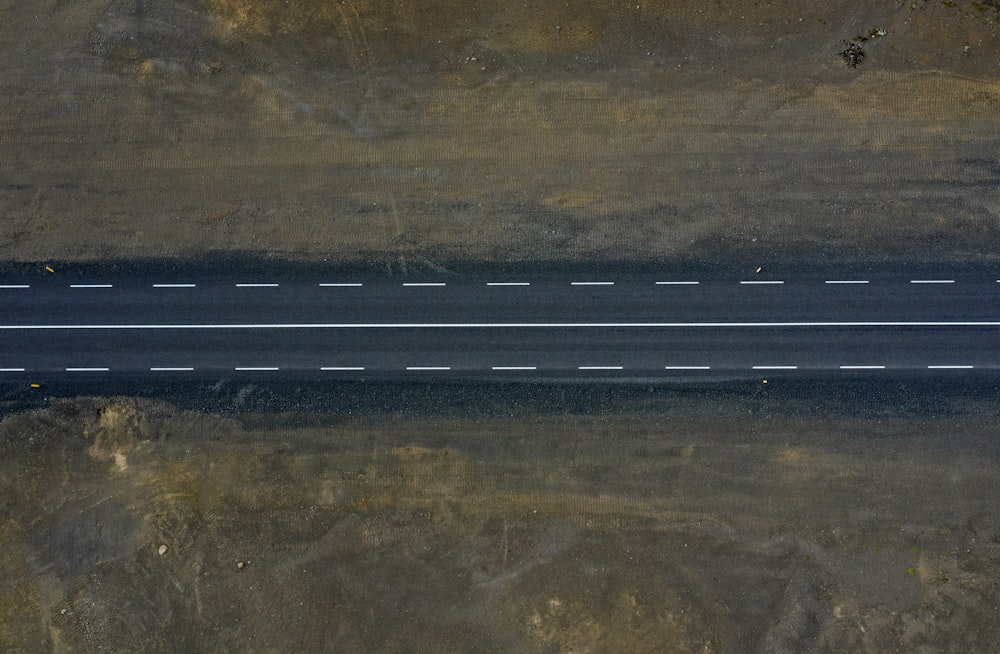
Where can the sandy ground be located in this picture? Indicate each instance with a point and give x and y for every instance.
(426, 133)
(685, 531)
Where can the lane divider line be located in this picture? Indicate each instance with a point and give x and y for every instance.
(342, 368)
(862, 367)
(508, 283)
(91, 285)
(342, 285)
(761, 282)
(932, 281)
(949, 367)
(591, 283)
(600, 368)
(257, 369)
(515, 368)
(174, 285)
(846, 281)
(517, 325)
(11, 369)
(15, 285)
(87, 369)
(171, 369)
(687, 367)
(424, 284)
(775, 367)
(256, 285)
(428, 367)
(677, 283)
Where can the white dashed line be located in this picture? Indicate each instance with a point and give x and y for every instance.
(11, 369)
(171, 369)
(173, 285)
(256, 285)
(761, 282)
(428, 368)
(15, 286)
(932, 281)
(87, 369)
(687, 367)
(600, 368)
(676, 283)
(424, 284)
(862, 367)
(91, 285)
(949, 367)
(263, 369)
(342, 368)
(846, 281)
(343, 285)
(508, 283)
(775, 367)
(592, 283)
(515, 368)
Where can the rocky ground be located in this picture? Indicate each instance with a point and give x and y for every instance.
(418, 134)
(133, 525)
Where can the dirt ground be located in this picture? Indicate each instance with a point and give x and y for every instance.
(416, 134)
(131, 525)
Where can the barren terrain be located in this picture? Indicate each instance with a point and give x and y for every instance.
(425, 133)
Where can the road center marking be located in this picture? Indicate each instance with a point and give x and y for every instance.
(428, 367)
(862, 367)
(342, 285)
(515, 368)
(600, 368)
(676, 283)
(761, 282)
(687, 367)
(342, 368)
(508, 283)
(591, 283)
(91, 285)
(87, 369)
(846, 281)
(171, 369)
(424, 284)
(949, 367)
(775, 367)
(257, 369)
(173, 285)
(255, 285)
(932, 281)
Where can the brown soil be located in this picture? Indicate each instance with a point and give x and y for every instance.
(421, 133)
(130, 525)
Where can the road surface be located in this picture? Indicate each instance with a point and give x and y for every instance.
(498, 327)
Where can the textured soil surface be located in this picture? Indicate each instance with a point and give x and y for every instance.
(131, 525)
(418, 134)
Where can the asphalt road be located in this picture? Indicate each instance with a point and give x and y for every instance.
(500, 327)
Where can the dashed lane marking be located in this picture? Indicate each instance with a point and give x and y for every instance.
(508, 283)
(174, 285)
(255, 285)
(846, 281)
(775, 367)
(591, 283)
(91, 285)
(417, 368)
(957, 367)
(677, 283)
(15, 285)
(342, 285)
(171, 369)
(862, 367)
(11, 369)
(600, 368)
(515, 368)
(256, 369)
(342, 368)
(761, 282)
(424, 284)
(687, 367)
(932, 281)
(87, 369)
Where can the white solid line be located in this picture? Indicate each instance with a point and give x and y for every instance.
(428, 368)
(342, 368)
(762, 281)
(676, 283)
(687, 367)
(256, 285)
(173, 285)
(15, 286)
(11, 369)
(847, 281)
(171, 369)
(517, 325)
(508, 283)
(592, 283)
(775, 367)
(91, 285)
(515, 368)
(342, 285)
(949, 367)
(600, 368)
(862, 367)
(86, 369)
(932, 281)
(424, 284)
(264, 369)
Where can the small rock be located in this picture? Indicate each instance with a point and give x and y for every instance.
(241, 565)
(162, 550)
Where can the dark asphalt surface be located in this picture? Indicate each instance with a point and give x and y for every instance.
(579, 327)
